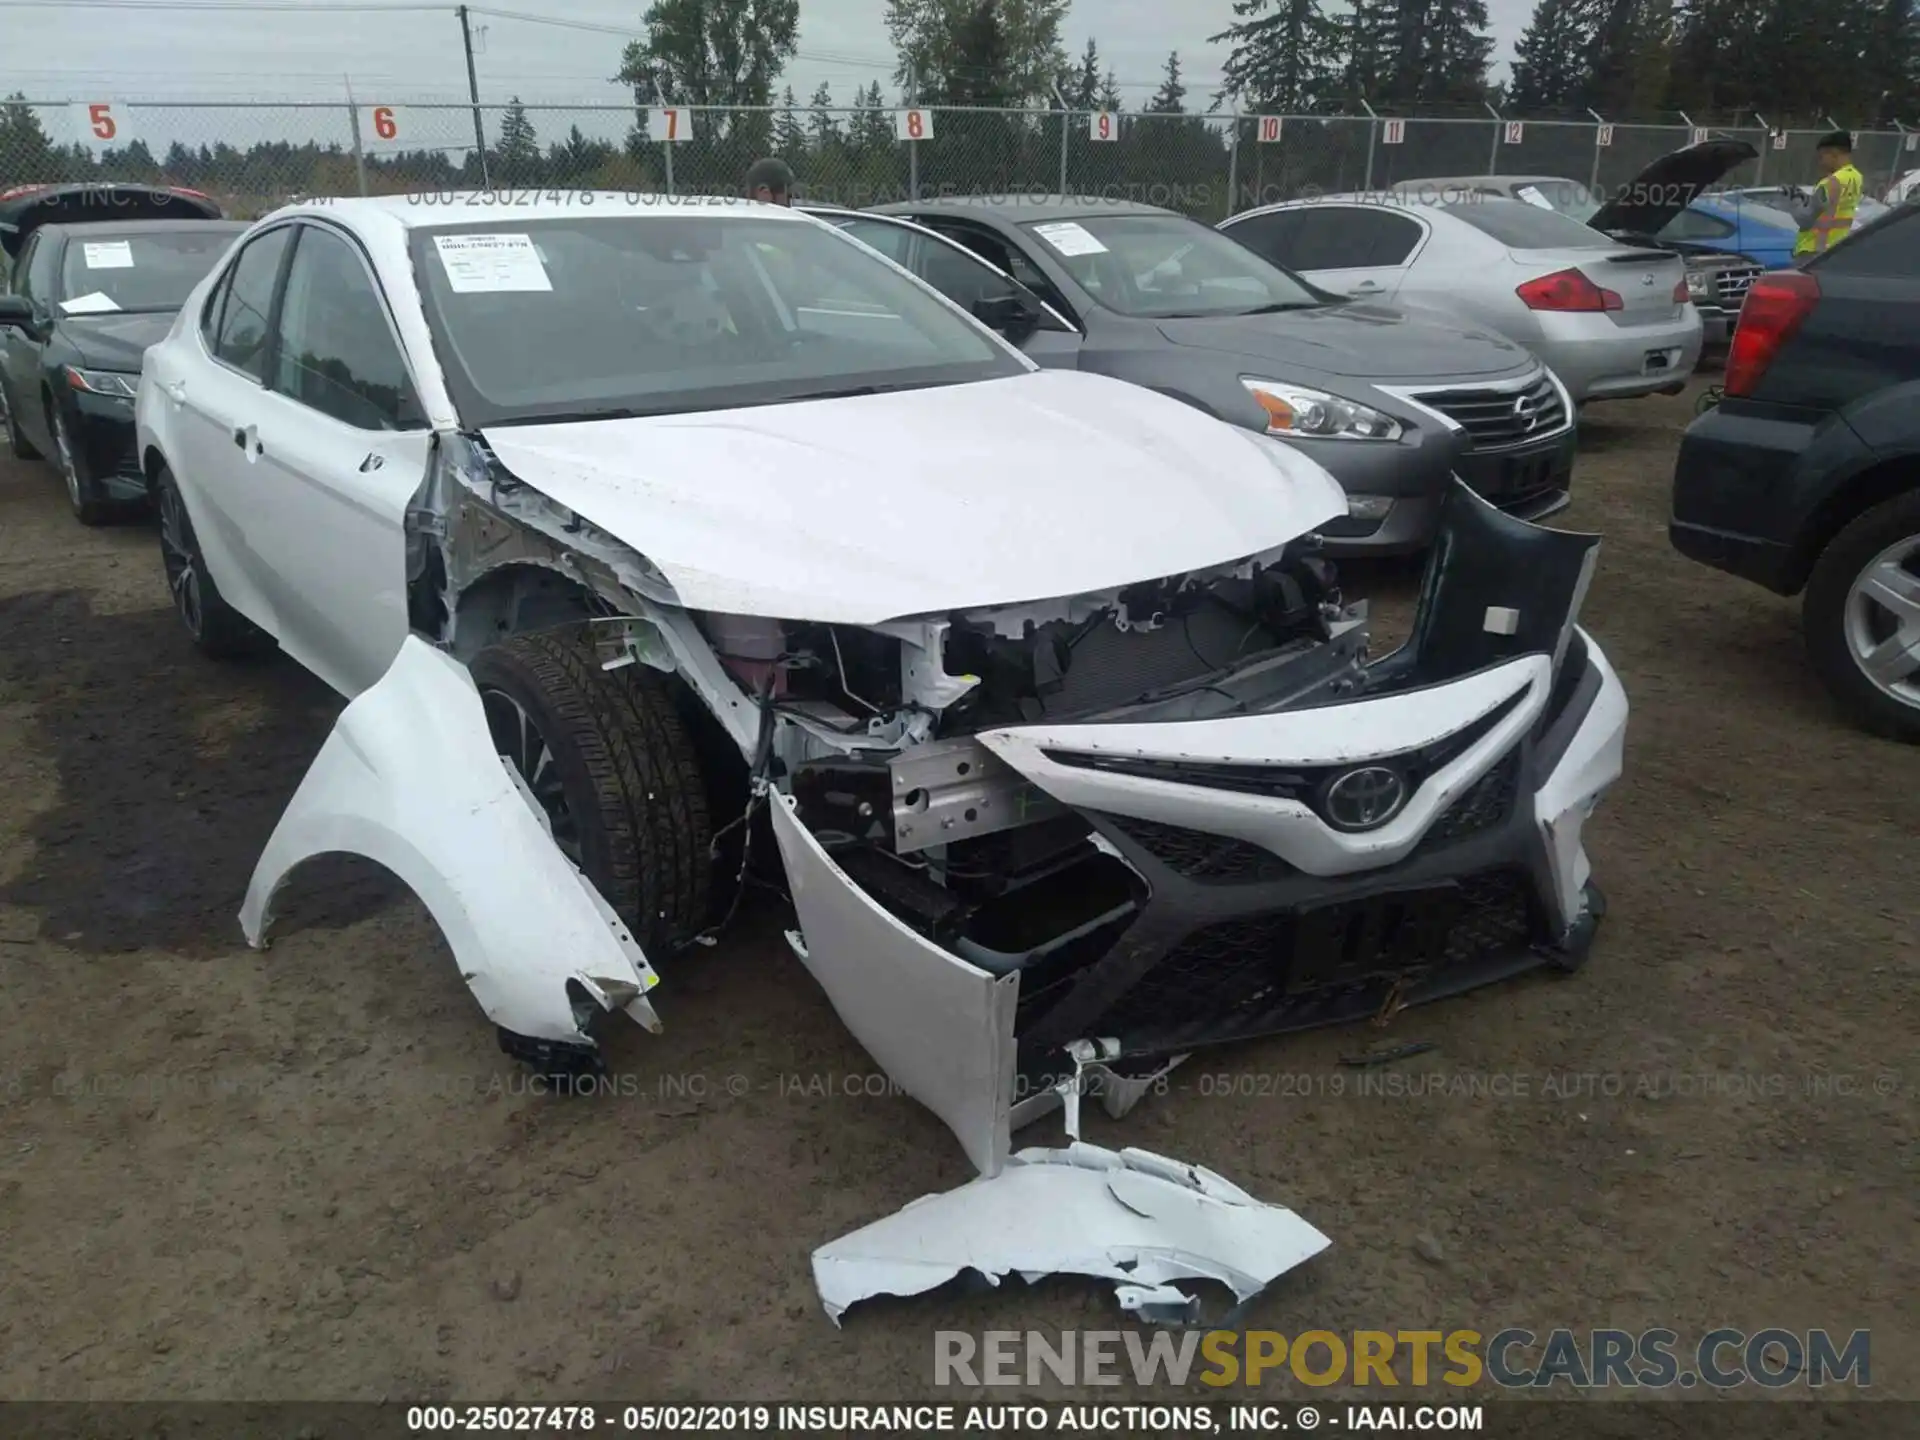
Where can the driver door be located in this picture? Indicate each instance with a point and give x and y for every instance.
(966, 280)
(33, 273)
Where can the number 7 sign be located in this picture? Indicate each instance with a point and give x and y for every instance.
(669, 126)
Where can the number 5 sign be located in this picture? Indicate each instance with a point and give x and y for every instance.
(669, 126)
(1516, 132)
(913, 124)
(1102, 125)
(1268, 129)
(101, 122)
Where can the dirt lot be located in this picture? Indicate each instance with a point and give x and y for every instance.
(310, 1173)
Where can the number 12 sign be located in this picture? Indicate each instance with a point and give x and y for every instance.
(913, 124)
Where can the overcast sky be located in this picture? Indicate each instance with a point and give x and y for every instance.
(76, 50)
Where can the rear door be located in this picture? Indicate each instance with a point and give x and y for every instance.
(1861, 342)
(20, 348)
(1361, 251)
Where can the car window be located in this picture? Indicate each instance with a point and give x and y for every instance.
(660, 313)
(1270, 235)
(210, 312)
(138, 270)
(1379, 236)
(1321, 238)
(242, 338)
(957, 275)
(1527, 227)
(1695, 225)
(892, 241)
(336, 351)
(1166, 266)
(20, 280)
(1890, 248)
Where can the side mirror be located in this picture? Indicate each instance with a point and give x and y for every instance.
(16, 310)
(1014, 316)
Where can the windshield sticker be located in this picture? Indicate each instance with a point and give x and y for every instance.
(98, 303)
(1533, 197)
(108, 254)
(480, 264)
(1070, 239)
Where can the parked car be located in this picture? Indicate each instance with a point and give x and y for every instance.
(1778, 199)
(1904, 189)
(1611, 320)
(627, 529)
(1393, 405)
(96, 273)
(1806, 476)
(1666, 205)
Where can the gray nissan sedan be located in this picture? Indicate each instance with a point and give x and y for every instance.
(1391, 402)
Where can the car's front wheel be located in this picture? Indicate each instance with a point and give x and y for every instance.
(218, 630)
(89, 506)
(608, 759)
(1862, 618)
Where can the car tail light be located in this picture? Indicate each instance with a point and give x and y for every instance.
(1775, 308)
(197, 194)
(19, 190)
(1681, 294)
(1567, 290)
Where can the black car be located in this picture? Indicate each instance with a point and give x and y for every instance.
(97, 274)
(1806, 475)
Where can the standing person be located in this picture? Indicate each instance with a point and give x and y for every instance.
(1826, 216)
(770, 181)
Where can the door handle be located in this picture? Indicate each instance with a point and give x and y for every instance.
(1365, 287)
(176, 391)
(374, 461)
(240, 437)
(248, 439)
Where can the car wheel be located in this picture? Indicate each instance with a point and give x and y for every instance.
(16, 442)
(1862, 618)
(218, 630)
(82, 494)
(609, 761)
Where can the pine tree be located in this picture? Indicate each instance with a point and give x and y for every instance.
(1109, 96)
(1081, 84)
(1366, 40)
(1457, 49)
(518, 151)
(789, 135)
(979, 68)
(1546, 60)
(822, 126)
(1170, 98)
(1286, 61)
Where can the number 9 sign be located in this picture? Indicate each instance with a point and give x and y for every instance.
(1102, 127)
(913, 124)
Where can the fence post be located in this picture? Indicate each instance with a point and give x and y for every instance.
(1233, 158)
(666, 148)
(1493, 156)
(1066, 127)
(1373, 133)
(1593, 181)
(1766, 144)
(359, 154)
(913, 146)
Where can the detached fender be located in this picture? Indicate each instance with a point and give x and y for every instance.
(409, 778)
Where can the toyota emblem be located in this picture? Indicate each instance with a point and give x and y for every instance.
(1366, 798)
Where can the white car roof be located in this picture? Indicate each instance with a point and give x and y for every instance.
(367, 213)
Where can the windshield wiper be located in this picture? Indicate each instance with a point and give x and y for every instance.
(852, 390)
(1280, 305)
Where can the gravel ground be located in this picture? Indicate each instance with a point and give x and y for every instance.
(311, 1174)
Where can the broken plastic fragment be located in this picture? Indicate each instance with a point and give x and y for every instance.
(1138, 1219)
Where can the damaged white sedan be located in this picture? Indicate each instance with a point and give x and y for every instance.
(710, 522)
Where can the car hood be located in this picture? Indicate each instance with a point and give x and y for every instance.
(878, 507)
(116, 342)
(1372, 341)
(1647, 203)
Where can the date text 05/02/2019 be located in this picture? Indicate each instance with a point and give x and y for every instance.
(1057, 1419)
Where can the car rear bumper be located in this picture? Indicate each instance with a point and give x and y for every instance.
(1745, 482)
(1598, 360)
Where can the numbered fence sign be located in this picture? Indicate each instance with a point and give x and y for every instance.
(101, 122)
(1603, 137)
(913, 124)
(1779, 139)
(1913, 141)
(382, 123)
(1268, 129)
(1103, 125)
(1699, 136)
(1392, 132)
(669, 126)
(1516, 132)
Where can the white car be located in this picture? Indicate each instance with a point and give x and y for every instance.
(707, 520)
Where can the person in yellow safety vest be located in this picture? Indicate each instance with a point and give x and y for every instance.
(1826, 215)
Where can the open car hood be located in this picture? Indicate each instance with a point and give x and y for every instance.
(871, 508)
(25, 210)
(1647, 203)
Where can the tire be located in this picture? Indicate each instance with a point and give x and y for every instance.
(608, 758)
(1843, 624)
(16, 442)
(219, 631)
(83, 496)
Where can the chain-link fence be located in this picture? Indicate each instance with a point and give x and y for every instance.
(255, 157)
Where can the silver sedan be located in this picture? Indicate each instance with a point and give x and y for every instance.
(1611, 319)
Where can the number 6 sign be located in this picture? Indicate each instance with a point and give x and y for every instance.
(385, 127)
(669, 126)
(101, 122)
(913, 124)
(1103, 126)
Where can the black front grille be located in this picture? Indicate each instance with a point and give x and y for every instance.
(1732, 285)
(1482, 808)
(1231, 976)
(1494, 418)
(1196, 855)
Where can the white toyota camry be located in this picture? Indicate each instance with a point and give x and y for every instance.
(636, 530)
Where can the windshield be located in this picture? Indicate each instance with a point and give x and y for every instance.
(659, 313)
(1165, 266)
(1520, 226)
(107, 271)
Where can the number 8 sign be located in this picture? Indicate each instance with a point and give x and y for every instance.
(913, 124)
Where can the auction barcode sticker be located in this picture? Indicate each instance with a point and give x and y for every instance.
(108, 254)
(491, 263)
(1070, 239)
